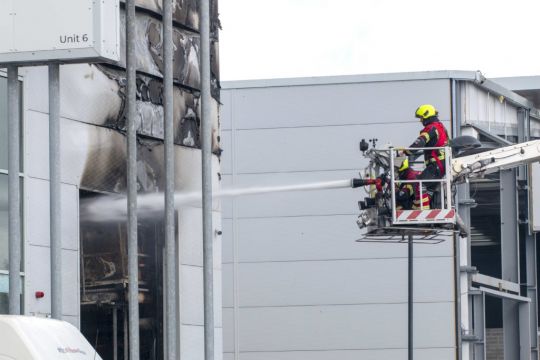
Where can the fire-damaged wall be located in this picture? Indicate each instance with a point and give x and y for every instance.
(94, 164)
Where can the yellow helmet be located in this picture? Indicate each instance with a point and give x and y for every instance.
(404, 165)
(425, 112)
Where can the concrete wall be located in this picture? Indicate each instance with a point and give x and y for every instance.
(296, 284)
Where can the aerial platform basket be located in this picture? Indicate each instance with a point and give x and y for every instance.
(443, 213)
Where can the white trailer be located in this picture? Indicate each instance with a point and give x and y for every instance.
(34, 338)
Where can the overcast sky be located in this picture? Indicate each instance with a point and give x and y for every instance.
(264, 39)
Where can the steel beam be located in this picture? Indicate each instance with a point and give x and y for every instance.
(510, 259)
(133, 260)
(495, 283)
(503, 295)
(14, 199)
(55, 193)
(206, 140)
(496, 139)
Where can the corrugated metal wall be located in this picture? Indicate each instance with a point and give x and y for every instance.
(296, 284)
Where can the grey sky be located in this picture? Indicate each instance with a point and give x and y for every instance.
(294, 38)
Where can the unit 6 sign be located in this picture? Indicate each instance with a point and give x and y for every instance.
(41, 31)
(74, 39)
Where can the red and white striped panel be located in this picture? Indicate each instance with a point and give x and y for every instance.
(425, 216)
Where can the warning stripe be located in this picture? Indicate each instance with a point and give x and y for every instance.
(416, 216)
(433, 214)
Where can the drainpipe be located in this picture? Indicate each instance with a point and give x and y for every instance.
(206, 145)
(14, 192)
(457, 266)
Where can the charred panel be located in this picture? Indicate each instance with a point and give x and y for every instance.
(106, 158)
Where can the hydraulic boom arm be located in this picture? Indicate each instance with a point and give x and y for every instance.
(495, 160)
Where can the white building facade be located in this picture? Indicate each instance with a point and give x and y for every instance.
(296, 283)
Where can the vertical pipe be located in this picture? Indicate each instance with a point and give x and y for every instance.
(115, 332)
(170, 243)
(125, 333)
(14, 192)
(410, 300)
(133, 268)
(55, 210)
(510, 269)
(462, 191)
(206, 125)
(393, 185)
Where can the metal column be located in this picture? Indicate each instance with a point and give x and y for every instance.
(510, 259)
(14, 199)
(462, 247)
(479, 322)
(133, 263)
(463, 261)
(410, 299)
(530, 241)
(531, 263)
(206, 135)
(55, 207)
(524, 310)
(170, 239)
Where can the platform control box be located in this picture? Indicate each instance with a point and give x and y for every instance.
(41, 31)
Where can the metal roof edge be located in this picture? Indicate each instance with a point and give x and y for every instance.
(509, 95)
(461, 75)
(350, 79)
(531, 82)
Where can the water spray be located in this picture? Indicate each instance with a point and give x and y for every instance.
(113, 208)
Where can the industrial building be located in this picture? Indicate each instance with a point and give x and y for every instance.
(297, 284)
(293, 275)
(94, 254)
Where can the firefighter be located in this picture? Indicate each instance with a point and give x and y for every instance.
(408, 194)
(433, 134)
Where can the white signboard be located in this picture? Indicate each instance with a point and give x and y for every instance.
(37, 31)
(534, 200)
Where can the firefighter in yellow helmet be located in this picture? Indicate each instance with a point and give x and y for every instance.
(433, 134)
(408, 194)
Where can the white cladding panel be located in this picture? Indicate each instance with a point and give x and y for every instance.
(388, 354)
(314, 148)
(343, 282)
(370, 326)
(329, 105)
(303, 288)
(311, 238)
(48, 30)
